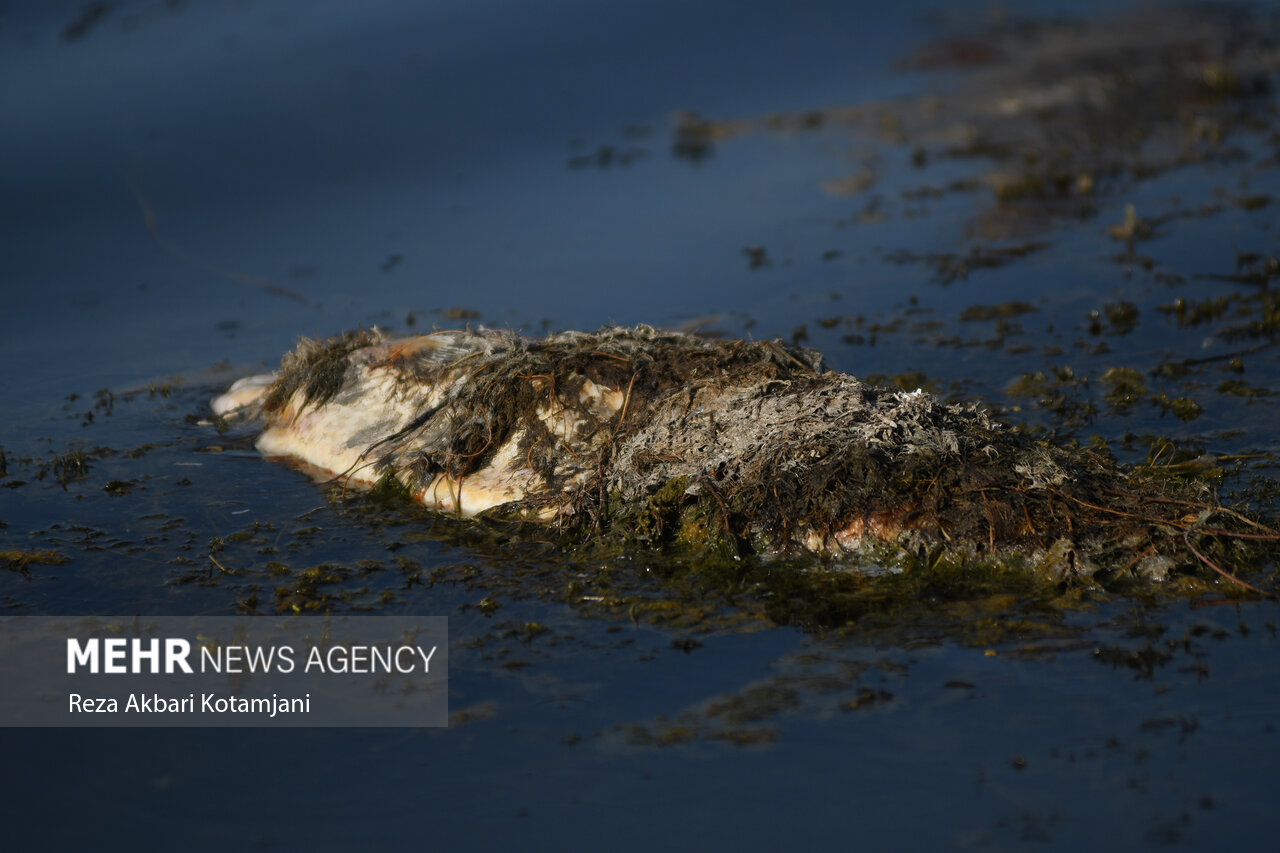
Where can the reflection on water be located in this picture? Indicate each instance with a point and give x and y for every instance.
(986, 205)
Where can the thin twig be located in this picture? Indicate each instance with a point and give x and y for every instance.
(1192, 362)
(611, 355)
(1239, 516)
(724, 510)
(626, 400)
(1121, 513)
(1186, 537)
(1218, 531)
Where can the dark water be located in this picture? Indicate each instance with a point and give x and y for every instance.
(188, 185)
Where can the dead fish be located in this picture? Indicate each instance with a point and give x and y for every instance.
(671, 440)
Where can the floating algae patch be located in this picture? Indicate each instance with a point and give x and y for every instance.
(1058, 115)
(950, 266)
(18, 560)
(723, 455)
(1059, 391)
(830, 678)
(1125, 388)
(1003, 311)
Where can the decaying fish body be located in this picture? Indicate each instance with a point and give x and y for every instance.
(670, 440)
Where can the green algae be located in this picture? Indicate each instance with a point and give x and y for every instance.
(1182, 408)
(950, 267)
(670, 521)
(20, 560)
(1125, 388)
(867, 697)
(306, 591)
(70, 466)
(890, 594)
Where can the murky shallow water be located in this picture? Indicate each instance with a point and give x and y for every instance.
(193, 184)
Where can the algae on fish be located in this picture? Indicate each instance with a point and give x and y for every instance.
(721, 450)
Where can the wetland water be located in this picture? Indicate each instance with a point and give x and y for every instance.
(1072, 219)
